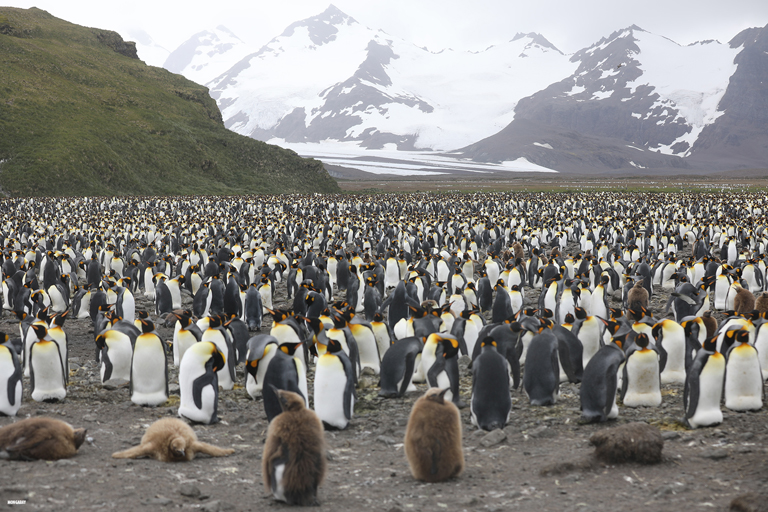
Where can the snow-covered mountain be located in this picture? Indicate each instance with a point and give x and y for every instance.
(329, 77)
(633, 100)
(634, 94)
(207, 54)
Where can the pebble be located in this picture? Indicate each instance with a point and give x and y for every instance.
(714, 454)
(542, 432)
(189, 490)
(217, 506)
(670, 435)
(493, 438)
(387, 440)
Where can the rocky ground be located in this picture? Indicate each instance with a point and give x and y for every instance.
(541, 459)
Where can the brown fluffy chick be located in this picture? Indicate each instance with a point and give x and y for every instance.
(293, 463)
(744, 301)
(761, 303)
(40, 438)
(171, 440)
(433, 438)
(710, 323)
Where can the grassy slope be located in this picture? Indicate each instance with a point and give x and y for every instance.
(77, 118)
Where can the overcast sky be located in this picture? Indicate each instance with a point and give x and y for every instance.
(460, 24)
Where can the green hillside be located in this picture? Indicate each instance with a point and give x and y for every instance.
(81, 115)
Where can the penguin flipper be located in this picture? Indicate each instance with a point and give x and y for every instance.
(199, 384)
(564, 353)
(349, 389)
(611, 383)
(691, 392)
(514, 363)
(410, 362)
(662, 356)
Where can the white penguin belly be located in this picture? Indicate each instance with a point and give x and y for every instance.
(6, 370)
(148, 379)
(119, 353)
(674, 370)
(367, 347)
(643, 375)
(182, 342)
(48, 371)
(418, 374)
(189, 410)
(589, 335)
(743, 380)
(225, 379)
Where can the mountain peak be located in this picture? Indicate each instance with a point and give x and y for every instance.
(322, 28)
(538, 39)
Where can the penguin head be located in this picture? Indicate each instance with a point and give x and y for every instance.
(333, 346)
(290, 348)
(641, 340)
(40, 331)
(289, 401)
(436, 395)
(569, 319)
(488, 341)
(146, 326)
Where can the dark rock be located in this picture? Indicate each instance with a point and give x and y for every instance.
(633, 442)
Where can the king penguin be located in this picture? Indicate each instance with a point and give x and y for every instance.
(199, 383)
(491, 402)
(440, 362)
(704, 387)
(397, 367)
(334, 392)
(10, 379)
(149, 368)
(600, 383)
(641, 382)
(47, 379)
(284, 372)
(743, 378)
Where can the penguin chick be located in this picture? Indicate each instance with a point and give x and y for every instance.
(171, 440)
(744, 301)
(761, 303)
(710, 323)
(637, 297)
(294, 462)
(433, 438)
(40, 438)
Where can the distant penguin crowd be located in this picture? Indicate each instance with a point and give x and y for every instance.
(398, 286)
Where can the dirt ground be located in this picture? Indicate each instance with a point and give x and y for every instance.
(540, 460)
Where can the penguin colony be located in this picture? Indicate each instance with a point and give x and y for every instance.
(398, 287)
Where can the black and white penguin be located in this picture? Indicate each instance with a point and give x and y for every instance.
(10, 379)
(704, 387)
(491, 402)
(284, 372)
(641, 380)
(48, 381)
(253, 308)
(215, 333)
(599, 384)
(199, 383)
(185, 334)
(116, 351)
(334, 392)
(541, 373)
(261, 349)
(149, 368)
(397, 367)
(440, 363)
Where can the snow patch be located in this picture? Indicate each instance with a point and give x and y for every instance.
(545, 145)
